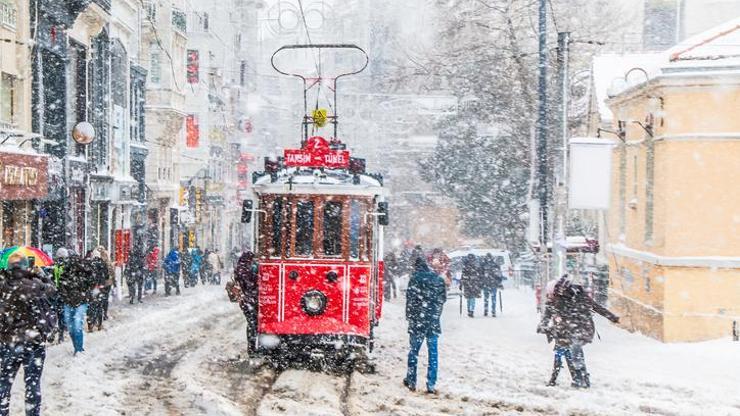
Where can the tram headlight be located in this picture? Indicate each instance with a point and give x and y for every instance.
(313, 302)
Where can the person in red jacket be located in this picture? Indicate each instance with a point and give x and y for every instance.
(152, 269)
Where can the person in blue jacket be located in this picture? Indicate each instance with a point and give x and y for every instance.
(425, 298)
(195, 264)
(171, 267)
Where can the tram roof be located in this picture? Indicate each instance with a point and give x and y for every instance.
(308, 181)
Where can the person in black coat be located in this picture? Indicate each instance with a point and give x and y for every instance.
(27, 321)
(471, 281)
(101, 275)
(492, 282)
(568, 320)
(134, 274)
(76, 285)
(247, 277)
(425, 298)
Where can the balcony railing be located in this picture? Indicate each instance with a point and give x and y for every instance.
(104, 4)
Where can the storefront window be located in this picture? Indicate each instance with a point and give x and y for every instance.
(333, 228)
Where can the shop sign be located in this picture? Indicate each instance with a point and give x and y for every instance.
(23, 176)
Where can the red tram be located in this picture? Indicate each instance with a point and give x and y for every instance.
(318, 235)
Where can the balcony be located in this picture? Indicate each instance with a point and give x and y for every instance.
(77, 6)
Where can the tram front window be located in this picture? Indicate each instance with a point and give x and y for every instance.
(304, 228)
(333, 229)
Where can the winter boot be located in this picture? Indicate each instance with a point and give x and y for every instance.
(554, 377)
(581, 380)
(409, 385)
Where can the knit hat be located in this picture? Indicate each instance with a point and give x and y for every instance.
(61, 253)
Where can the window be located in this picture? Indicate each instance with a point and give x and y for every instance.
(622, 188)
(634, 176)
(193, 66)
(151, 10)
(649, 189)
(333, 229)
(179, 20)
(304, 228)
(155, 64)
(243, 73)
(8, 13)
(204, 23)
(355, 229)
(277, 225)
(8, 94)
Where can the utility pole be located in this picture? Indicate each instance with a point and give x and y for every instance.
(542, 158)
(560, 205)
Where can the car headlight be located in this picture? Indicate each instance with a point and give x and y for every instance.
(313, 302)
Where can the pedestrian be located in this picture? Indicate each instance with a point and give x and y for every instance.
(391, 268)
(216, 265)
(60, 261)
(134, 274)
(110, 283)
(207, 269)
(171, 267)
(234, 257)
(247, 277)
(568, 320)
(440, 264)
(152, 269)
(196, 266)
(425, 298)
(27, 321)
(492, 283)
(471, 281)
(100, 276)
(187, 264)
(75, 288)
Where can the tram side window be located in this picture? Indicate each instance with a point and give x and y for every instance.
(277, 225)
(355, 228)
(333, 229)
(304, 228)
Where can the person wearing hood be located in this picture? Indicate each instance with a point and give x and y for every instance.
(171, 266)
(27, 321)
(196, 264)
(568, 320)
(425, 298)
(246, 276)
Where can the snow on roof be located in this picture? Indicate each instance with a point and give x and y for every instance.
(609, 72)
(716, 44)
(715, 49)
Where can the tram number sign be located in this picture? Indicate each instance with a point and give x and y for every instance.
(317, 158)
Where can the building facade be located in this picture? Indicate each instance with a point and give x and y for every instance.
(674, 222)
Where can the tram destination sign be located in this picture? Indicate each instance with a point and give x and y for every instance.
(316, 153)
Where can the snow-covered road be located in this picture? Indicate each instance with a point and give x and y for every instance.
(185, 356)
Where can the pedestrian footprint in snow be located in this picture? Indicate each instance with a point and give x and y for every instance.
(425, 298)
(568, 321)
